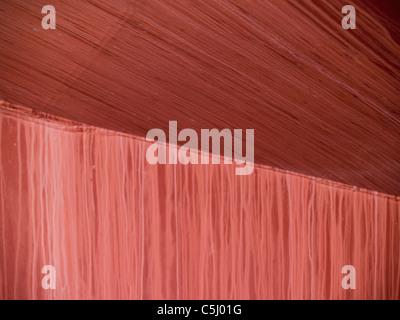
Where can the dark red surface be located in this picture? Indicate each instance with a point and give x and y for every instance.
(323, 101)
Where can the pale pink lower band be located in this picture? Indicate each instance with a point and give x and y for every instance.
(114, 227)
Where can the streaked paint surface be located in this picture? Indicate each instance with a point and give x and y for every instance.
(324, 101)
(84, 200)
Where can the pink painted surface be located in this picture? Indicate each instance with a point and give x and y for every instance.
(84, 200)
